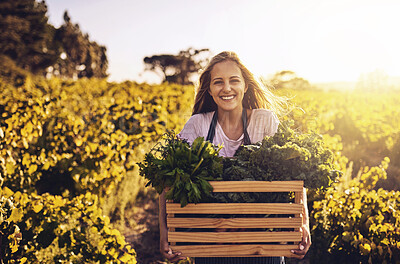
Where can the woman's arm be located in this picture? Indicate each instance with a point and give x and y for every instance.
(162, 219)
(306, 238)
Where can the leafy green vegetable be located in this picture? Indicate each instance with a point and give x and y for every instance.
(185, 169)
(286, 156)
(283, 157)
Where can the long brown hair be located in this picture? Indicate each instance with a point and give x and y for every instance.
(255, 97)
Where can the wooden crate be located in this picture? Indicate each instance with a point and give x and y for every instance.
(238, 243)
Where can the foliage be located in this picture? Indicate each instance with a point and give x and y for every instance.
(80, 57)
(177, 68)
(79, 139)
(286, 155)
(10, 234)
(48, 127)
(287, 80)
(10, 72)
(376, 81)
(63, 136)
(366, 124)
(56, 229)
(26, 37)
(355, 223)
(28, 43)
(21, 124)
(183, 168)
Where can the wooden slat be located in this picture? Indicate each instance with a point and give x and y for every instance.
(235, 208)
(234, 222)
(172, 229)
(297, 196)
(234, 237)
(257, 186)
(297, 200)
(236, 250)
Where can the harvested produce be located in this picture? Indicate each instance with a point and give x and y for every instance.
(286, 156)
(185, 169)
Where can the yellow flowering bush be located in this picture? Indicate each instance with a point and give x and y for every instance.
(354, 223)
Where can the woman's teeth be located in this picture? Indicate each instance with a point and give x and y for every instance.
(227, 97)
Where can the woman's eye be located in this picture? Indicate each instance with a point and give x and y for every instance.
(235, 80)
(218, 82)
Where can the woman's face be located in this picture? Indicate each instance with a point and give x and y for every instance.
(227, 86)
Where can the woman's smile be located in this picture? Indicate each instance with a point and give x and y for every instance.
(227, 97)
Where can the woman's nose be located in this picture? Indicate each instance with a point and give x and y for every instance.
(227, 86)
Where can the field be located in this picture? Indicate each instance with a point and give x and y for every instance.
(71, 190)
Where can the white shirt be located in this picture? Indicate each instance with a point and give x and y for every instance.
(262, 123)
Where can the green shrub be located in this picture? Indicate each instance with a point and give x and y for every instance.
(79, 139)
(10, 234)
(57, 229)
(353, 223)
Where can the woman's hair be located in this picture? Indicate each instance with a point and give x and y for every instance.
(255, 97)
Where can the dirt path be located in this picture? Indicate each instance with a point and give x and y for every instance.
(145, 236)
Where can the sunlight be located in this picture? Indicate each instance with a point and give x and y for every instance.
(347, 43)
(325, 42)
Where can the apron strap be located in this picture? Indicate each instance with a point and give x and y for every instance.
(246, 138)
(211, 130)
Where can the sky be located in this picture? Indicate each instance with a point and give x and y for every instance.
(320, 40)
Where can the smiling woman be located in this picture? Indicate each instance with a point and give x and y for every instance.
(231, 100)
(231, 109)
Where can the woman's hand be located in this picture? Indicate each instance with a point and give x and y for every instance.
(166, 251)
(305, 243)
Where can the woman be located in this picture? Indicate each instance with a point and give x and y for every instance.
(231, 109)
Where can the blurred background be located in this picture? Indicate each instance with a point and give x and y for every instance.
(322, 41)
(88, 87)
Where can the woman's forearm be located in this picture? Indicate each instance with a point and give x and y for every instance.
(165, 250)
(306, 220)
(162, 218)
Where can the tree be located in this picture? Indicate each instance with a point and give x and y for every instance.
(376, 81)
(25, 36)
(29, 44)
(80, 57)
(288, 79)
(178, 68)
